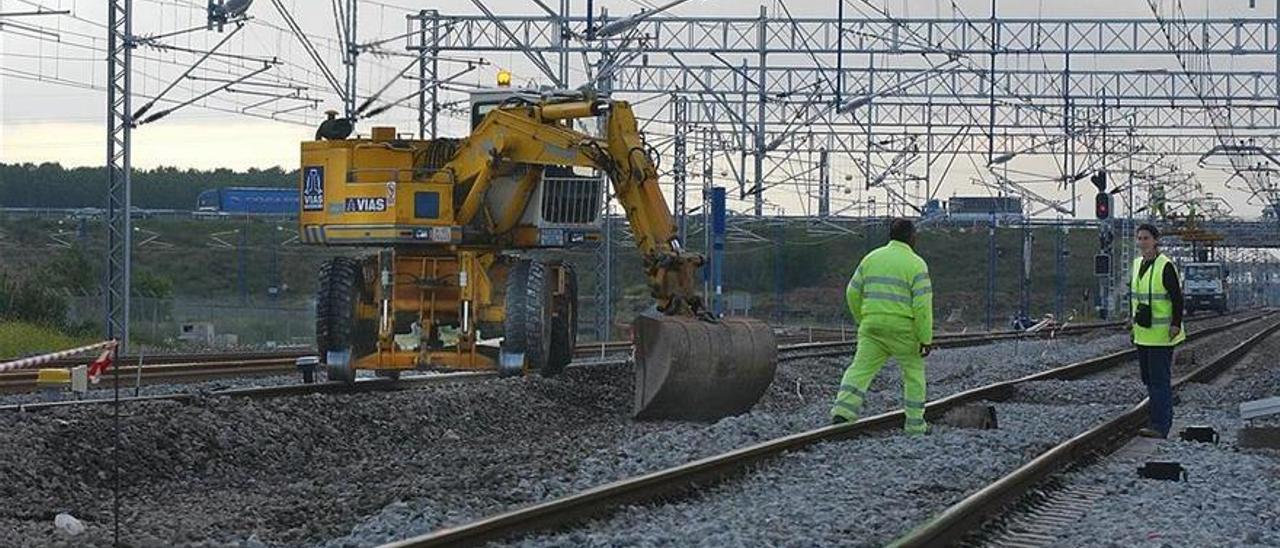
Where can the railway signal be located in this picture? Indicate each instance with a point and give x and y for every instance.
(1102, 206)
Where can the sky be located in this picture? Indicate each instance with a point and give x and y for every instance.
(45, 121)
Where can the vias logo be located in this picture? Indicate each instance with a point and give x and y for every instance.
(361, 205)
(313, 188)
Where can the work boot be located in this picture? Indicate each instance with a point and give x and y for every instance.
(1151, 433)
(928, 429)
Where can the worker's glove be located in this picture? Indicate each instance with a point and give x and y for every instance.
(1173, 332)
(925, 349)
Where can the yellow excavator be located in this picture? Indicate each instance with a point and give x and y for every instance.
(462, 230)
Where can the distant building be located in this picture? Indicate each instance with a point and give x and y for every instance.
(196, 333)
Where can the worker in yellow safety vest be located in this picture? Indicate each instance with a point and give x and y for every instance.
(1155, 306)
(891, 298)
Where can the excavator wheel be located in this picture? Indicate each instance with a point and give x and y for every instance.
(341, 336)
(526, 341)
(699, 370)
(564, 326)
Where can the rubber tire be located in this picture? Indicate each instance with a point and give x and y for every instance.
(527, 326)
(338, 293)
(564, 326)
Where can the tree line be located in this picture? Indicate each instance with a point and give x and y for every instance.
(51, 185)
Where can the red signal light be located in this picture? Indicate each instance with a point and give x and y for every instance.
(1102, 206)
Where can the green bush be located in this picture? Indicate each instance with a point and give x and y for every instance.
(25, 339)
(26, 302)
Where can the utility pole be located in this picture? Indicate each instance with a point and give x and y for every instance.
(241, 274)
(275, 273)
(679, 160)
(708, 173)
(717, 249)
(779, 272)
(1059, 269)
(991, 272)
(1025, 274)
(563, 42)
(604, 252)
(119, 169)
(428, 71)
(840, 53)
(762, 39)
(349, 58)
(824, 183)
(991, 80)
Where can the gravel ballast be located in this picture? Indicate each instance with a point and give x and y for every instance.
(889, 484)
(862, 492)
(298, 470)
(798, 400)
(365, 468)
(1230, 496)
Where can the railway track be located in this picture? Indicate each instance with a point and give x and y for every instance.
(589, 354)
(669, 483)
(946, 340)
(179, 368)
(1026, 487)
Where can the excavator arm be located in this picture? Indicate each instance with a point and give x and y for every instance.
(536, 135)
(689, 365)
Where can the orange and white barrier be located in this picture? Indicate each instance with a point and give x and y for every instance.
(99, 366)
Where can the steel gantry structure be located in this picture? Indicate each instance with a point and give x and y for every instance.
(773, 87)
(777, 100)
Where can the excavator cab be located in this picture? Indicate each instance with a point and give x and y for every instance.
(466, 232)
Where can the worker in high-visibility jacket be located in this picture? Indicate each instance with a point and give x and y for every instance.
(891, 298)
(1155, 306)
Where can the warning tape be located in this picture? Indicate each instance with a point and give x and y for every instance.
(46, 358)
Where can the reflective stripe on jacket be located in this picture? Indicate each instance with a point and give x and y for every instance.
(1149, 289)
(893, 281)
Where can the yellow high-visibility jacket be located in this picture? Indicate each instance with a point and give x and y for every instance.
(893, 282)
(1150, 289)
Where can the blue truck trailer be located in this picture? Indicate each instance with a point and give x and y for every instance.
(249, 201)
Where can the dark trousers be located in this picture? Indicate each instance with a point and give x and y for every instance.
(1155, 363)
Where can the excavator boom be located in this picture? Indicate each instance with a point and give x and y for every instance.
(689, 364)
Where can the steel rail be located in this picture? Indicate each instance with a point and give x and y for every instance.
(701, 473)
(177, 368)
(336, 387)
(205, 357)
(26, 381)
(961, 518)
(190, 372)
(963, 340)
(190, 357)
(174, 373)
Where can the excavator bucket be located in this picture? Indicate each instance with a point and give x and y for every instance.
(689, 369)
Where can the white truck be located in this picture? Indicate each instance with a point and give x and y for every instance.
(1205, 287)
